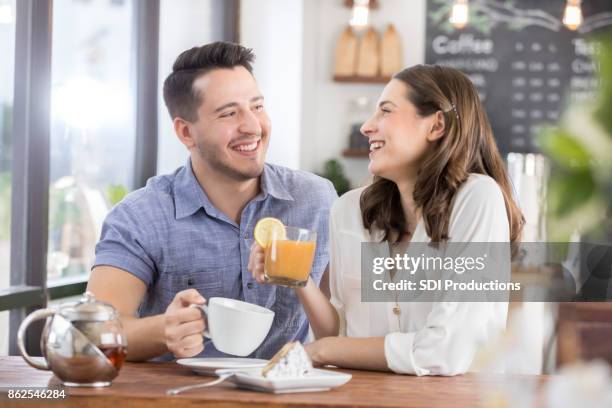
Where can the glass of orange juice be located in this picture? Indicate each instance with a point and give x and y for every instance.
(289, 256)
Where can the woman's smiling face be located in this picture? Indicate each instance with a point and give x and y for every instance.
(399, 137)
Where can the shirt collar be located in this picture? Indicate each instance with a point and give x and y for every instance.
(273, 185)
(189, 196)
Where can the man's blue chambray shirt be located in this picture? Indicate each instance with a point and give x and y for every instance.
(169, 235)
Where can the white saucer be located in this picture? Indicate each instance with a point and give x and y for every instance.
(317, 380)
(208, 366)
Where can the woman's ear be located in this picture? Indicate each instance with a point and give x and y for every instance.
(438, 125)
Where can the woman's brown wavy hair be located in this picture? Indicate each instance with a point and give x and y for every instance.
(467, 146)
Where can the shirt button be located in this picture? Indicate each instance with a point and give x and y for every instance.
(189, 282)
(250, 285)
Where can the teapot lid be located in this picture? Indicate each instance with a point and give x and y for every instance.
(88, 308)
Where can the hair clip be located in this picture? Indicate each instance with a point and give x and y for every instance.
(455, 109)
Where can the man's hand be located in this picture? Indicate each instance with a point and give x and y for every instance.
(184, 325)
(256, 262)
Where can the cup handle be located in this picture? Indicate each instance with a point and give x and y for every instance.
(37, 315)
(204, 310)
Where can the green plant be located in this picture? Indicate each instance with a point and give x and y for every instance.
(115, 193)
(485, 16)
(334, 172)
(580, 149)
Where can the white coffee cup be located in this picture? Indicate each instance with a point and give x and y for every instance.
(236, 327)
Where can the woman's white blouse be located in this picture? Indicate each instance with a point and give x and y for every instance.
(428, 338)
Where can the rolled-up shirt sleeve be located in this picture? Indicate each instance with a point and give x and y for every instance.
(123, 244)
(446, 346)
(454, 331)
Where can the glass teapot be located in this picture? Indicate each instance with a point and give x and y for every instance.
(83, 342)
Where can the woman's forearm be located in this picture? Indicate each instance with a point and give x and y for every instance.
(365, 353)
(145, 337)
(321, 314)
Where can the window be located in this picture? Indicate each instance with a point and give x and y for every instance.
(102, 139)
(84, 154)
(92, 126)
(7, 50)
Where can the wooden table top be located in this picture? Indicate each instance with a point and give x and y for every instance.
(141, 385)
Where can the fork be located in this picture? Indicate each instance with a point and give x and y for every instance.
(223, 375)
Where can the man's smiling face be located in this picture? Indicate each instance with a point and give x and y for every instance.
(232, 129)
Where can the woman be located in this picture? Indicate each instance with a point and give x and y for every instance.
(438, 177)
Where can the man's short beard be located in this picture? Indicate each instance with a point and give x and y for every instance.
(205, 155)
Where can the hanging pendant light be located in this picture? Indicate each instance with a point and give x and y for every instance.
(572, 17)
(361, 12)
(459, 14)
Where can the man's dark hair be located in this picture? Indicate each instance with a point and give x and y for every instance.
(180, 97)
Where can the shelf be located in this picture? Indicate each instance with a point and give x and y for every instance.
(356, 153)
(373, 4)
(363, 80)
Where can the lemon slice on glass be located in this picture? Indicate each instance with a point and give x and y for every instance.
(266, 229)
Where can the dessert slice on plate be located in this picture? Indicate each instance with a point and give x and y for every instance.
(290, 362)
(289, 370)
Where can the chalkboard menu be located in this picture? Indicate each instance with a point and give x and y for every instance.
(524, 62)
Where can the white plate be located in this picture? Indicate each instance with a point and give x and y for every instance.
(317, 380)
(208, 366)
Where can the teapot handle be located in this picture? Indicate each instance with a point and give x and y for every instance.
(37, 315)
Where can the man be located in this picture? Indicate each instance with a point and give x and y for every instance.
(186, 237)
